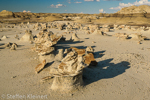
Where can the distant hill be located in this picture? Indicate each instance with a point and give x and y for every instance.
(135, 9)
(5, 14)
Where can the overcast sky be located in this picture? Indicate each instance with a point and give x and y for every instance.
(69, 6)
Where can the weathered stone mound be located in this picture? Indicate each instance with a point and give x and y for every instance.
(6, 14)
(68, 74)
(28, 36)
(135, 9)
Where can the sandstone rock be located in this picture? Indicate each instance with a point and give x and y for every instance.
(105, 26)
(128, 27)
(66, 51)
(45, 51)
(14, 46)
(4, 37)
(70, 73)
(116, 26)
(54, 68)
(90, 60)
(89, 49)
(72, 64)
(121, 35)
(97, 32)
(93, 42)
(79, 51)
(69, 27)
(93, 27)
(87, 55)
(74, 37)
(8, 45)
(106, 29)
(139, 42)
(136, 36)
(48, 44)
(49, 58)
(61, 26)
(85, 28)
(67, 84)
(17, 37)
(28, 36)
(122, 26)
(28, 23)
(40, 66)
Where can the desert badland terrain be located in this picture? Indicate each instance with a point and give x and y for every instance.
(75, 56)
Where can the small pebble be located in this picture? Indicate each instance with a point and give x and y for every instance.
(139, 42)
(14, 76)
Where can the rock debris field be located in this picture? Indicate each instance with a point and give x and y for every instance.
(65, 60)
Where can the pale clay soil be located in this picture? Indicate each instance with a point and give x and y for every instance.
(122, 73)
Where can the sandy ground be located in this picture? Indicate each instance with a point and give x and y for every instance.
(122, 72)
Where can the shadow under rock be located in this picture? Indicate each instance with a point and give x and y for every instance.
(20, 45)
(104, 70)
(147, 39)
(2, 48)
(1, 44)
(48, 64)
(69, 42)
(65, 46)
(99, 54)
(46, 67)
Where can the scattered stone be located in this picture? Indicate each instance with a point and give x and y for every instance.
(139, 37)
(17, 37)
(14, 76)
(14, 46)
(28, 36)
(8, 45)
(40, 66)
(122, 36)
(74, 37)
(139, 42)
(97, 32)
(4, 37)
(31, 42)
